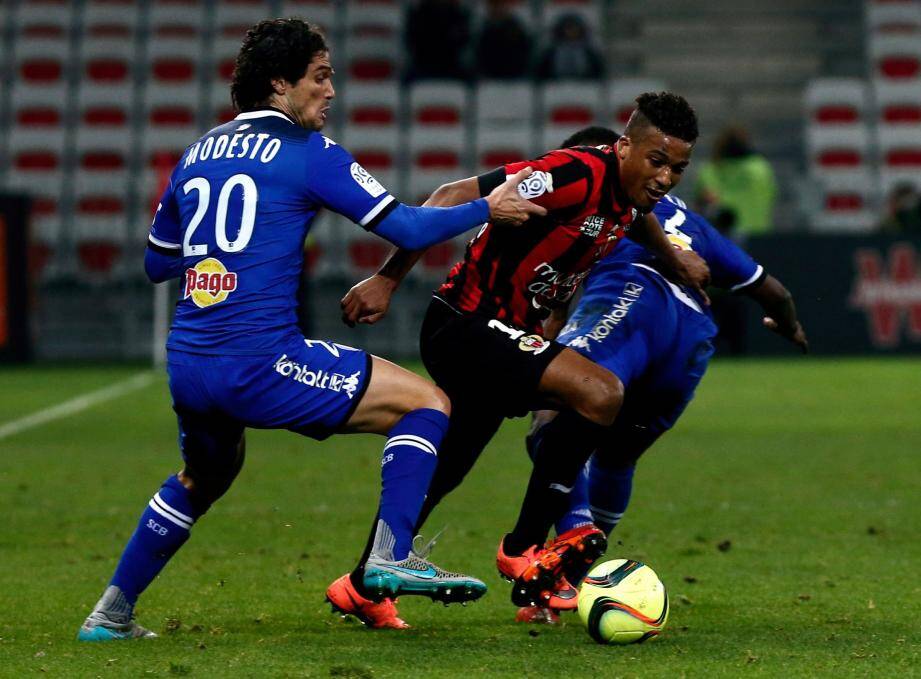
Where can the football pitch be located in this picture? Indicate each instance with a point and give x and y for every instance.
(783, 513)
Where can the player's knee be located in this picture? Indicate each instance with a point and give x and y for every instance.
(607, 396)
(431, 397)
(207, 481)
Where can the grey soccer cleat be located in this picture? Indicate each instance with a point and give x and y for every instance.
(112, 620)
(416, 575)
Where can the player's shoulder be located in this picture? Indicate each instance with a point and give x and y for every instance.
(587, 155)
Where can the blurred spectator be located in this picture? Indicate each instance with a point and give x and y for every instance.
(736, 188)
(437, 40)
(570, 54)
(903, 211)
(503, 50)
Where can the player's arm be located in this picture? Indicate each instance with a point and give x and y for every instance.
(685, 266)
(163, 257)
(369, 300)
(780, 311)
(336, 181)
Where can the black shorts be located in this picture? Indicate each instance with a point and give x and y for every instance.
(479, 359)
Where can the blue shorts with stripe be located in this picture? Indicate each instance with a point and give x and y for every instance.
(309, 387)
(655, 338)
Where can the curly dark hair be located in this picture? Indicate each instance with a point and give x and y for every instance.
(592, 136)
(669, 112)
(273, 48)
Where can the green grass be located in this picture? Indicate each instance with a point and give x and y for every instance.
(809, 470)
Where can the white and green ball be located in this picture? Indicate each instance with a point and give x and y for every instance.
(623, 602)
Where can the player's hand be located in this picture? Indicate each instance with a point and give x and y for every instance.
(367, 301)
(796, 334)
(692, 271)
(506, 206)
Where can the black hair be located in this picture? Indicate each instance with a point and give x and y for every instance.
(592, 136)
(667, 111)
(273, 48)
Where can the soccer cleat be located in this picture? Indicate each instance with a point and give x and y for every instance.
(417, 576)
(346, 600)
(112, 620)
(537, 577)
(580, 546)
(537, 615)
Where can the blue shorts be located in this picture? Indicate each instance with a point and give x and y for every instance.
(309, 387)
(655, 339)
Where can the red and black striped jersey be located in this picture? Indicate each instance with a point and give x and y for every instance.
(518, 274)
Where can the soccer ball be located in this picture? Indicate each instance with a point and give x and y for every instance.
(623, 602)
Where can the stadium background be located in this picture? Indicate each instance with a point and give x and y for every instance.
(781, 513)
(99, 97)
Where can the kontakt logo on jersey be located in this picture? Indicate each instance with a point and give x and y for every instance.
(209, 282)
(320, 379)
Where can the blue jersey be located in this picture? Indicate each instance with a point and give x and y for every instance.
(731, 267)
(237, 209)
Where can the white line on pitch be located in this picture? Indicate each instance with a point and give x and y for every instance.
(75, 405)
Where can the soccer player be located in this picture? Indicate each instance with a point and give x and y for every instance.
(657, 337)
(482, 338)
(231, 225)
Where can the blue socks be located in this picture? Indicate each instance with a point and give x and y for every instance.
(579, 513)
(162, 530)
(609, 493)
(407, 466)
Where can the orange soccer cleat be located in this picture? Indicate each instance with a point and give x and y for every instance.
(346, 600)
(580, 546)
(537, 575)
(537, 615)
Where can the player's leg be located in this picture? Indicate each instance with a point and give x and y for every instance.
(592, 397)
(561, 448)
(413, 413)
(213, 447)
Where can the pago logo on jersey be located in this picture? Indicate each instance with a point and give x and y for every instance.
(209, 282)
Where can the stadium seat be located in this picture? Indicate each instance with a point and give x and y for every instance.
(324, 13)
(370, 59)
(373, 19)
(370, 106)
(110, 20)
(232, 18)
(438, 125)
(378, 152)
(897, 103)
(495, 147)
(567, 107)
(836, 101)
(505, 104)
(895, 57)
(424, 179)
(900, 156)
(176, 18)
(848, 203)
(365, 253)
(102, 165)
(43, 19)
(838, 151)
(893, 17)
(622, 94)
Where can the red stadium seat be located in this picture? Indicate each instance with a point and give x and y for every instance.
(896, 57)
(98, 256)
(367, 254)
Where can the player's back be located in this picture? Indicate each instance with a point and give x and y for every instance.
(730, 267)
(238, 210)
